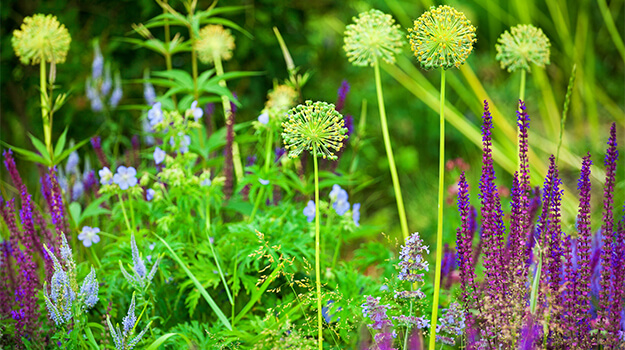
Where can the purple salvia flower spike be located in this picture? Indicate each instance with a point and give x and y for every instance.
(582, 292)
(9, 162)
(464, 243)
(342, 94)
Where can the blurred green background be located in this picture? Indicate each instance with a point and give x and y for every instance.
(588, 33)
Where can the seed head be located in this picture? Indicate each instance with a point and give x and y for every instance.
(214, 40)
(315, 127)
(442, 37)
(41, 37)
(522, 45)
(373, 36)
(281, 98)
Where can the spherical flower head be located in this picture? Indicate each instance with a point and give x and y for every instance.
(89, 235)
(41, 38)
(373, 36)
(442, 38)
(281, 98)
(315, 127)
(214, 40)
(522, 45)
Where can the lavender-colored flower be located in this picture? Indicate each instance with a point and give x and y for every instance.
(93, 96)
(412, 321)
(411, 259)
(356, 213)
(138, 265)
(77, 190)
(149, 194)
(89, 236)
(372, 309)
(122, 337)
(98, 62)
(106, 176)
(409, 294)
(89, 290)
(61, 296)
(148, 89)
(141, 277)
(107, 83)
(263, 118)
(309, 211)
(159, 155)
(125, 177)
(117, 93)
(66, 251)
(196, 111)
(339, 197)
(452, 322)
(263, 182)
(279, 152)
(9, 162)
(155, 114)
(206, 182)
(185, 141)
(71, 167)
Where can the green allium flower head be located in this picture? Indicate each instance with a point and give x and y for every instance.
(522, 45)
(281, 98)
(315, 127)
(41, 37)
(373, 36)
(442, 38)
(214, 39)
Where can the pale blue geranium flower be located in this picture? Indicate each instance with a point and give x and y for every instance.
(159, 155)
(356, 213)
(206, 182)
(184, 142)
(155, 114)
(263, 118)
(196, 111)
(309, 211)
(263, 181)
(339, 198)
(106, 176)
(89, 235)
(125, 177)
(149, 194)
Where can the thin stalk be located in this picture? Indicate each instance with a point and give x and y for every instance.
(121, 201)
(194, 71)
(132, 213)
(407, 329)
(261, 192)
(45, 108)
(317, 252)
(168, 56)
(389, 152)
(236, 263)
(439, 230)
(223, 278)
(522, 87)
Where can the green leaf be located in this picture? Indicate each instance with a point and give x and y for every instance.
(258, 293)
(68, 151)
(93, 209)
(60, 143)
(158, 342)
(198, 285)
(28, 155)
(75, 210)
(229, 23)
(41, 148)
(183, 78)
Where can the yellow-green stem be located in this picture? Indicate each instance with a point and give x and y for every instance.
(317, 252)
(522, 88)
(168, 56)
(121, 201)
(45, 108)
(389, 153)
(439, 230)
(261, 193)
(194, 70)
(223, 278)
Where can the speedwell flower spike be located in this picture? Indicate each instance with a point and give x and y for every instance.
(373, 36)
(442, 37)
(315, 127)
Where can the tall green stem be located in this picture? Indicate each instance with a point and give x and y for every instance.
(522, 88)
(317, 251)
(389, 152)
(121, 201)
(439, 230)
(261, 193)
(45, 107)
(168, 55)
(223, 278)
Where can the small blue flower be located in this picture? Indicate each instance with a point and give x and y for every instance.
(149, 194)
(196, 111)
(89, 235)
(117, 94)
(206, 182)
(309, 211)
(339, 197)
(106, 176)
(184, 142)
(125, 177)
(263, 181)
(263, 118)
(155, 114)
(159, 155)
(336, 189)
(98, 62)
(356, 214)
(71, 167)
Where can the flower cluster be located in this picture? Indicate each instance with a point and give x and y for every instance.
(214, 42)
(442, 38)
(99, 85)
(411, 259)
(373, 36)
(122, 336)
(340, 204)
(41, 38)
(141, 278)
(314, 127)
(524, 44)
(451, 323)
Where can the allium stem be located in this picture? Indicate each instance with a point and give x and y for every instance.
(439, 230)
(522, 87)
(389, 152)
(317, 252)
(45, 108)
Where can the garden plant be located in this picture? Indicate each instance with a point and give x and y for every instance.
(185, 174)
